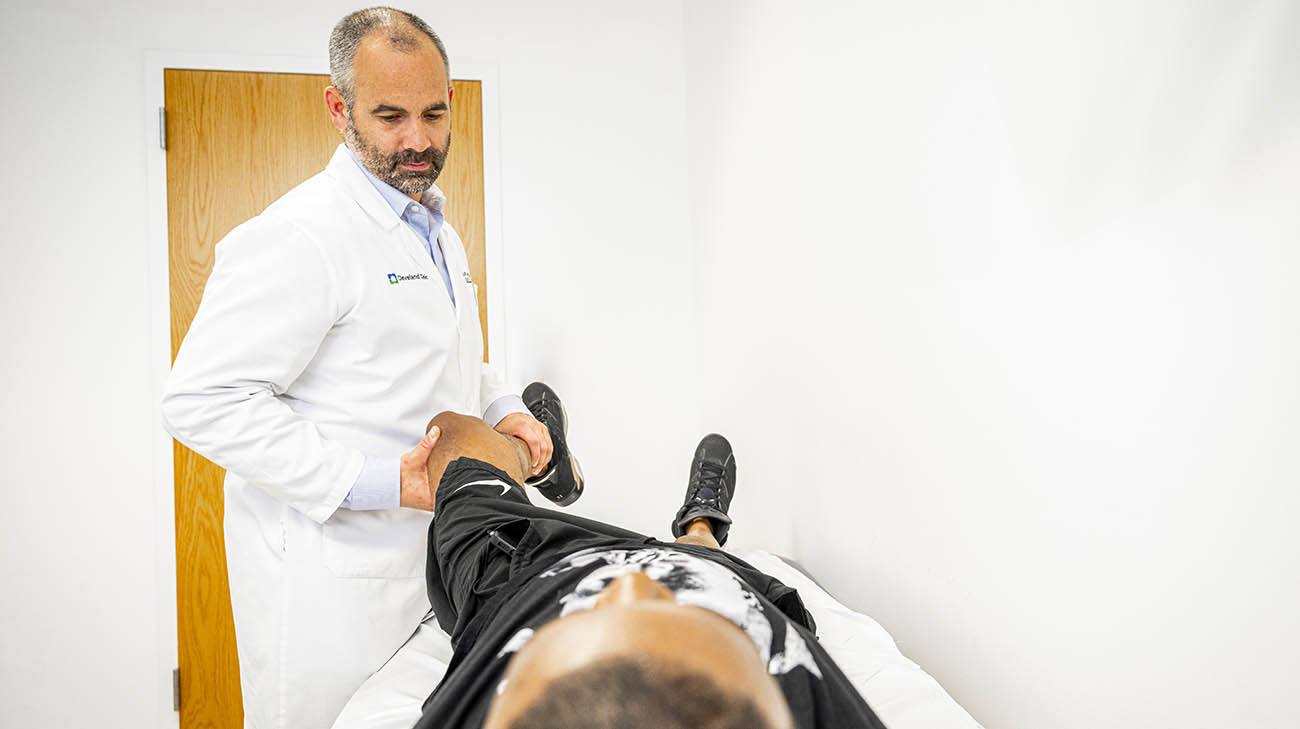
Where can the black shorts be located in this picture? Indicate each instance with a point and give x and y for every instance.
(487, 539)
(485, 533)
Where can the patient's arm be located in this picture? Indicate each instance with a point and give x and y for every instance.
(463, 436)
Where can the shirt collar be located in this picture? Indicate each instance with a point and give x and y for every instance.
(432, 199)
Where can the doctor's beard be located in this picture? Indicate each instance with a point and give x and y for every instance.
(387, 166)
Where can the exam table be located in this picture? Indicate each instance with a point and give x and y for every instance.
(901, 694)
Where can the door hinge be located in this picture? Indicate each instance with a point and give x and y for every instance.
(162, 127)
(176, 689)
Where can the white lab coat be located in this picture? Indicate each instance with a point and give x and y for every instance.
(303, 358)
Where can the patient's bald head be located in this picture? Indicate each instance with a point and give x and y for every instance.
(464, 436)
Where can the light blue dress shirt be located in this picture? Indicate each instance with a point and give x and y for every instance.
(379, 485)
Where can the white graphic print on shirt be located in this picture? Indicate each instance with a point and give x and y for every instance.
(694, 581)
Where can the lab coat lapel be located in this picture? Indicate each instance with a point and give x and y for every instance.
(353, 181)
(344, 169)
(455, 270)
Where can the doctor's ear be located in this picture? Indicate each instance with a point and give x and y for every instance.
(337, 108)
(450, 90)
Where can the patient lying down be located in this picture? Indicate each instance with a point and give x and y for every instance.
(563, 622)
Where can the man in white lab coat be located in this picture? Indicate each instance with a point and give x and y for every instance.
(332, 325)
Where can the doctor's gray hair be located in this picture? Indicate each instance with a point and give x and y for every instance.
(347, 35)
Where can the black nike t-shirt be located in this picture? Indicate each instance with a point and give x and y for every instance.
(512, 574)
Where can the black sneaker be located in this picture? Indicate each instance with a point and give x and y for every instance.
(561, 480)
(708, 494)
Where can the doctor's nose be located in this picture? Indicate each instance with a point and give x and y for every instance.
(415, 137)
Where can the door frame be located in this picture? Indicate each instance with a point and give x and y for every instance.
(159, 296)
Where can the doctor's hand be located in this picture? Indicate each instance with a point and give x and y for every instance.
(417, 493)
(531, 431)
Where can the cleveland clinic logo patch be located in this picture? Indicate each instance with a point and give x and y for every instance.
(396, 279)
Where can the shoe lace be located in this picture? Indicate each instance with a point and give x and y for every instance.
(708, 483)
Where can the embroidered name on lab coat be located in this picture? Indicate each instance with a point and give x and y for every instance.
(396, 279)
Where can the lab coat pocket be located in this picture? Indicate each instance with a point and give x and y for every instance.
(386, 544)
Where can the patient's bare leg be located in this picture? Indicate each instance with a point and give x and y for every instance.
(700, 533)
(463, 436)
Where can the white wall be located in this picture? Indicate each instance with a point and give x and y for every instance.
(1009, 290)
(991, 300)
(593, 149)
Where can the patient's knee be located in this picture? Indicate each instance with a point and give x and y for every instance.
(455, 423)
(468, 436)
(460, 435)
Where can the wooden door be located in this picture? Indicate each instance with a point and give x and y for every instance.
(235, 143)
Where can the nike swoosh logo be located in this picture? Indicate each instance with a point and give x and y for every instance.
(505, 487)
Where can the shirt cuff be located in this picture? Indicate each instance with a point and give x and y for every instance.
(378, 486)
(503, 406)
